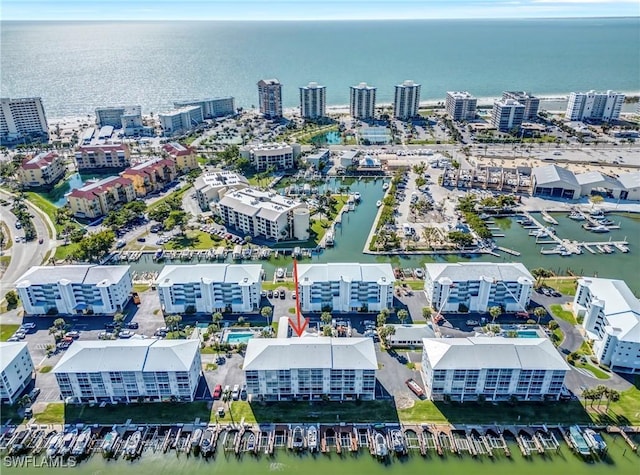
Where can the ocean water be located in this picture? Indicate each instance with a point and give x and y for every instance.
(76, 66)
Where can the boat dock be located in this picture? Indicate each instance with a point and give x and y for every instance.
(625, 436)
(508, 251)
(547, 440)
(548, 218)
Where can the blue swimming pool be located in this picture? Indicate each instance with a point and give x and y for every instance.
(234, 338)
(528, 334)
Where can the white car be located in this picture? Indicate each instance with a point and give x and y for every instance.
(235, 394)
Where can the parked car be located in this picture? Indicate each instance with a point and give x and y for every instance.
(34, 394)
(73, 334)
(105, 336)
(217, 391)
(133, 325)
(243, 393)
(220, 412)
(125, 334)
(282, 294)
(20, 335)
(28, 326)
(270, 294)
(235, 394)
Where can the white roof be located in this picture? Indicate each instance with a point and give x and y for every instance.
(493, 352)
(551, 174)
(471, 271)
(310, 353)
(219, 179)
(621, 307)
(406, 332)
(227, 273)
(77, 274)
(630, 180)
(346, 271)
(128, 355)
(252, 202)
(9, 350)
(597, 178)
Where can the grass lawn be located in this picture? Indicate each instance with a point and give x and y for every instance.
(414, 284)
(6, 330)
(7, 236)
(141, 287)
(624, 412)
(162, 200)
(62, 252)
(45, 369)
(272, 286)
(558, 312)
(46, 206)
(54, 413)
(193, 239)
(564, 285)
(597, 372)
(5, 261)
(584, 349)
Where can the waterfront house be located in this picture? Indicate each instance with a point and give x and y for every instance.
(16, 370)
(98, 198)
(494, 368)
(310, 368)
(42, 170)
(131, 370)
(75, 289)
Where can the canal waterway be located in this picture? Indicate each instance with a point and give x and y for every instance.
(73, 182)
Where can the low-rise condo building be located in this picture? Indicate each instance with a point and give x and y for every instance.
(406, 100)
(97, 198)
(42, 170)
(345, 287)
(184, 156)
(91, 157)
(16, 370)
(75, 289)
(611, 317)
(270, 98)
(130, 371)
(211, 186)
(592, 105)
(278, 156)
(461, 105)
(181, 120)
(530, 102)
(211, 108)
(22, 119)
(476, 287)
(492, 368)
(310, 368)
(313, 101)
(151, 176)
(209, 288)
(507, 115)
(128, 119)
(362, 104)
(265, 214)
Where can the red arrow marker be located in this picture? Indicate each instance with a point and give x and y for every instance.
(300, 323)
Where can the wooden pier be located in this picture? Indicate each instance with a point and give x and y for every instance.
(508, 251)
(625, 436)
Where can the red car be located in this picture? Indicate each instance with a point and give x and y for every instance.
(217, 391)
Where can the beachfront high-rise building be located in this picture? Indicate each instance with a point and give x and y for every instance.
(507, 115)
(406, 100)
(22, 119)
(180, 120)
(362, 104)
(313, 101)
(270, 98)
(592, 105)
(127, 118)
(530, 102)
(461, 105)
(16, 370)
(211, 107)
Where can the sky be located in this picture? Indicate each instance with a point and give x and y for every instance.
(310, 9)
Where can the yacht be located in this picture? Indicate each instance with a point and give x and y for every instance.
(109, 442)
(595, 440)
(381, 445)
(356, 196)
(385, 186)
(397, 441)
(576, 216)
(280, 273)
(67, 442)
(328, 240)
(298, 438)
(578, 440)
(312, 438)
(195, 438)
(54, 444)
(597, 229)
(82, 442)
(158, 255)
(206, 444)
(133, 442)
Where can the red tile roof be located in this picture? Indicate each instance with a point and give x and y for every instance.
(177, 149)
(90, 190)
(41, 160)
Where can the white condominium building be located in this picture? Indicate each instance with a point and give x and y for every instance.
(270, 98)
(75, 289)
(22, 118)
(310, 368)
(211, 186)
(592, 105)
(461, 105)
(130, 371)
(180, 120)
(507, 115)
(345, 287)
(530, 102)
(362, 101)
(407, 100)
(493, 368)
(477, 286)
(612, 319)
(313, 101)
(279, 156)
(208, 288)
(45, 169)
(211, 108)
(16, 370)
(89, 157)
(113, 115)
(265, 214)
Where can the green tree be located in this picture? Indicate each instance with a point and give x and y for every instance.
(216, 318)
(495, 312)
(327, 330)
(460, 239)
(176, 218)
(326, 317)
(173, 322)
(94, 247)
(553, 325)
(381, 319)
(613, 395)
(12, 298)
(426, 312)
(540, 312)
(59, 324)
(266, 312)
(540, 273)
(402, 315)
(241, 320)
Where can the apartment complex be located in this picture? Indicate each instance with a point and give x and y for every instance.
(362, 103)
(406, 100)
(184, 156)
(42, 170)
(22, 119)
(493, 368)
(130, 371)
(127, 118)
(461, 105)
(507, 115)
(95, 156)
(278, 156)
(592, 105)
(270, 98)
(97, 198)
(310, 368)
(265, 214)
(313, 101)
(16, 370)
(151, 176)
(181, 120)
(211, 186)
(75, 289)
(611, 317)
(209, 288)
(211, 107)
(477, 287)
(345, 287)
(530, 102)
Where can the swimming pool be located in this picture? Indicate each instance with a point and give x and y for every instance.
(234, 338)
(528, 334)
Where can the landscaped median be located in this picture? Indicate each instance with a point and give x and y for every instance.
(559, 312)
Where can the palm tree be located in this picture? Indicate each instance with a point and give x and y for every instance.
(403, 315)
(495, 312)
(216, 318)
(612, 396)
(540, 312)
(266, 312)
(326, 318)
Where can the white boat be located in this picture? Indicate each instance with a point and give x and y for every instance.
(196, 437)
(312, 438)
(133, 442)
(595, 440)
(378, 203)
(246, 253)
(385, 186)
(280, 273)
(548, 218)
(67, 442)
(397, 442)
(298, 438)
(356, 196)
(80, 447)
(237, 252)
(206, 444)
(382, 450)
(54, 444)
(597, 229)
(576, 216)
(328, 240)
(109, 442)
(158, 255)
(578, 440)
